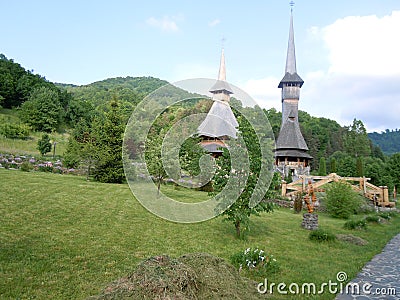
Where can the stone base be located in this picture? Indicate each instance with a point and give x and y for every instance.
(310, 221)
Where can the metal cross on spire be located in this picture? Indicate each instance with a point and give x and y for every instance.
(223, 42)
(291, 5)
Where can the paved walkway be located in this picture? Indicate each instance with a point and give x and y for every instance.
(380, 278)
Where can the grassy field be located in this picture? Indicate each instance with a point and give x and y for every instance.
(62, 237)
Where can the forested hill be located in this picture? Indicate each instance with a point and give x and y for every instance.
(17, 84)
(130, 89)
(388, 141)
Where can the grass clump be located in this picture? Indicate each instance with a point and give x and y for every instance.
(373, 219)
(355, 224)
(321, 235)
(387, 215)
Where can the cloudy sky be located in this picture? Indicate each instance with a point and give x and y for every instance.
(347, 50)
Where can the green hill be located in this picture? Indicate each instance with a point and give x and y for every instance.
(130, 89)
(388, 141)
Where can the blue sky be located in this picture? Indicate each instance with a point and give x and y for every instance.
(347, 50)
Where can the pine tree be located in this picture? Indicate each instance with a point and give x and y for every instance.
(333, 166)
(108, 145)
(359, 167)
(322, 167)
(44, 144)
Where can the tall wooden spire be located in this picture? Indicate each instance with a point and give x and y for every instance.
(291, 149)
(221, 89)
(291, 51)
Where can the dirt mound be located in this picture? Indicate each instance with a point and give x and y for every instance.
(191, 276)
(352, 239)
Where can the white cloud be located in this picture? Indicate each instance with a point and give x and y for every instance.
(362, 79)
(166, 23)
(264, 91)
(364, 44)
(214, 22)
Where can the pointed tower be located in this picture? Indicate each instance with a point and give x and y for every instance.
(291, 149)
(220, 123)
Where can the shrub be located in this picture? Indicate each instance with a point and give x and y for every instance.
(373, 219)
(321, 235)
(355, 224)
(341, 200)
(26, 166)
(387, 215)
(255, 259)
(15, 131)
(45, 167)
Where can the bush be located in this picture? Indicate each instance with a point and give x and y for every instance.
(255, 259)
(373, 219)
(387, 215)
(15, 131)
(355, 224)
(45, 167)
(341, 200)
(321, 235)
(26, 166)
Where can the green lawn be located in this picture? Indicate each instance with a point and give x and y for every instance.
(62, 237)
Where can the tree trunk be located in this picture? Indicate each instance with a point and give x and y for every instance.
(237, 227)
(158, 186)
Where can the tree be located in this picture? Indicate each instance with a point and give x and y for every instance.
(239, 211)
(108, 134)
(333, 167)
(190, 154)
(356, 141)
(359, 167)
(393, 169)
(322, 167)
(44, 144)
(42, 111)
(341, 200)
(153, 157)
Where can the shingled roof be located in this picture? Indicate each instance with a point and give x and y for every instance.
(291, 78)
(290, 137)
(221, 86)
(292, 153)
(220, 121)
